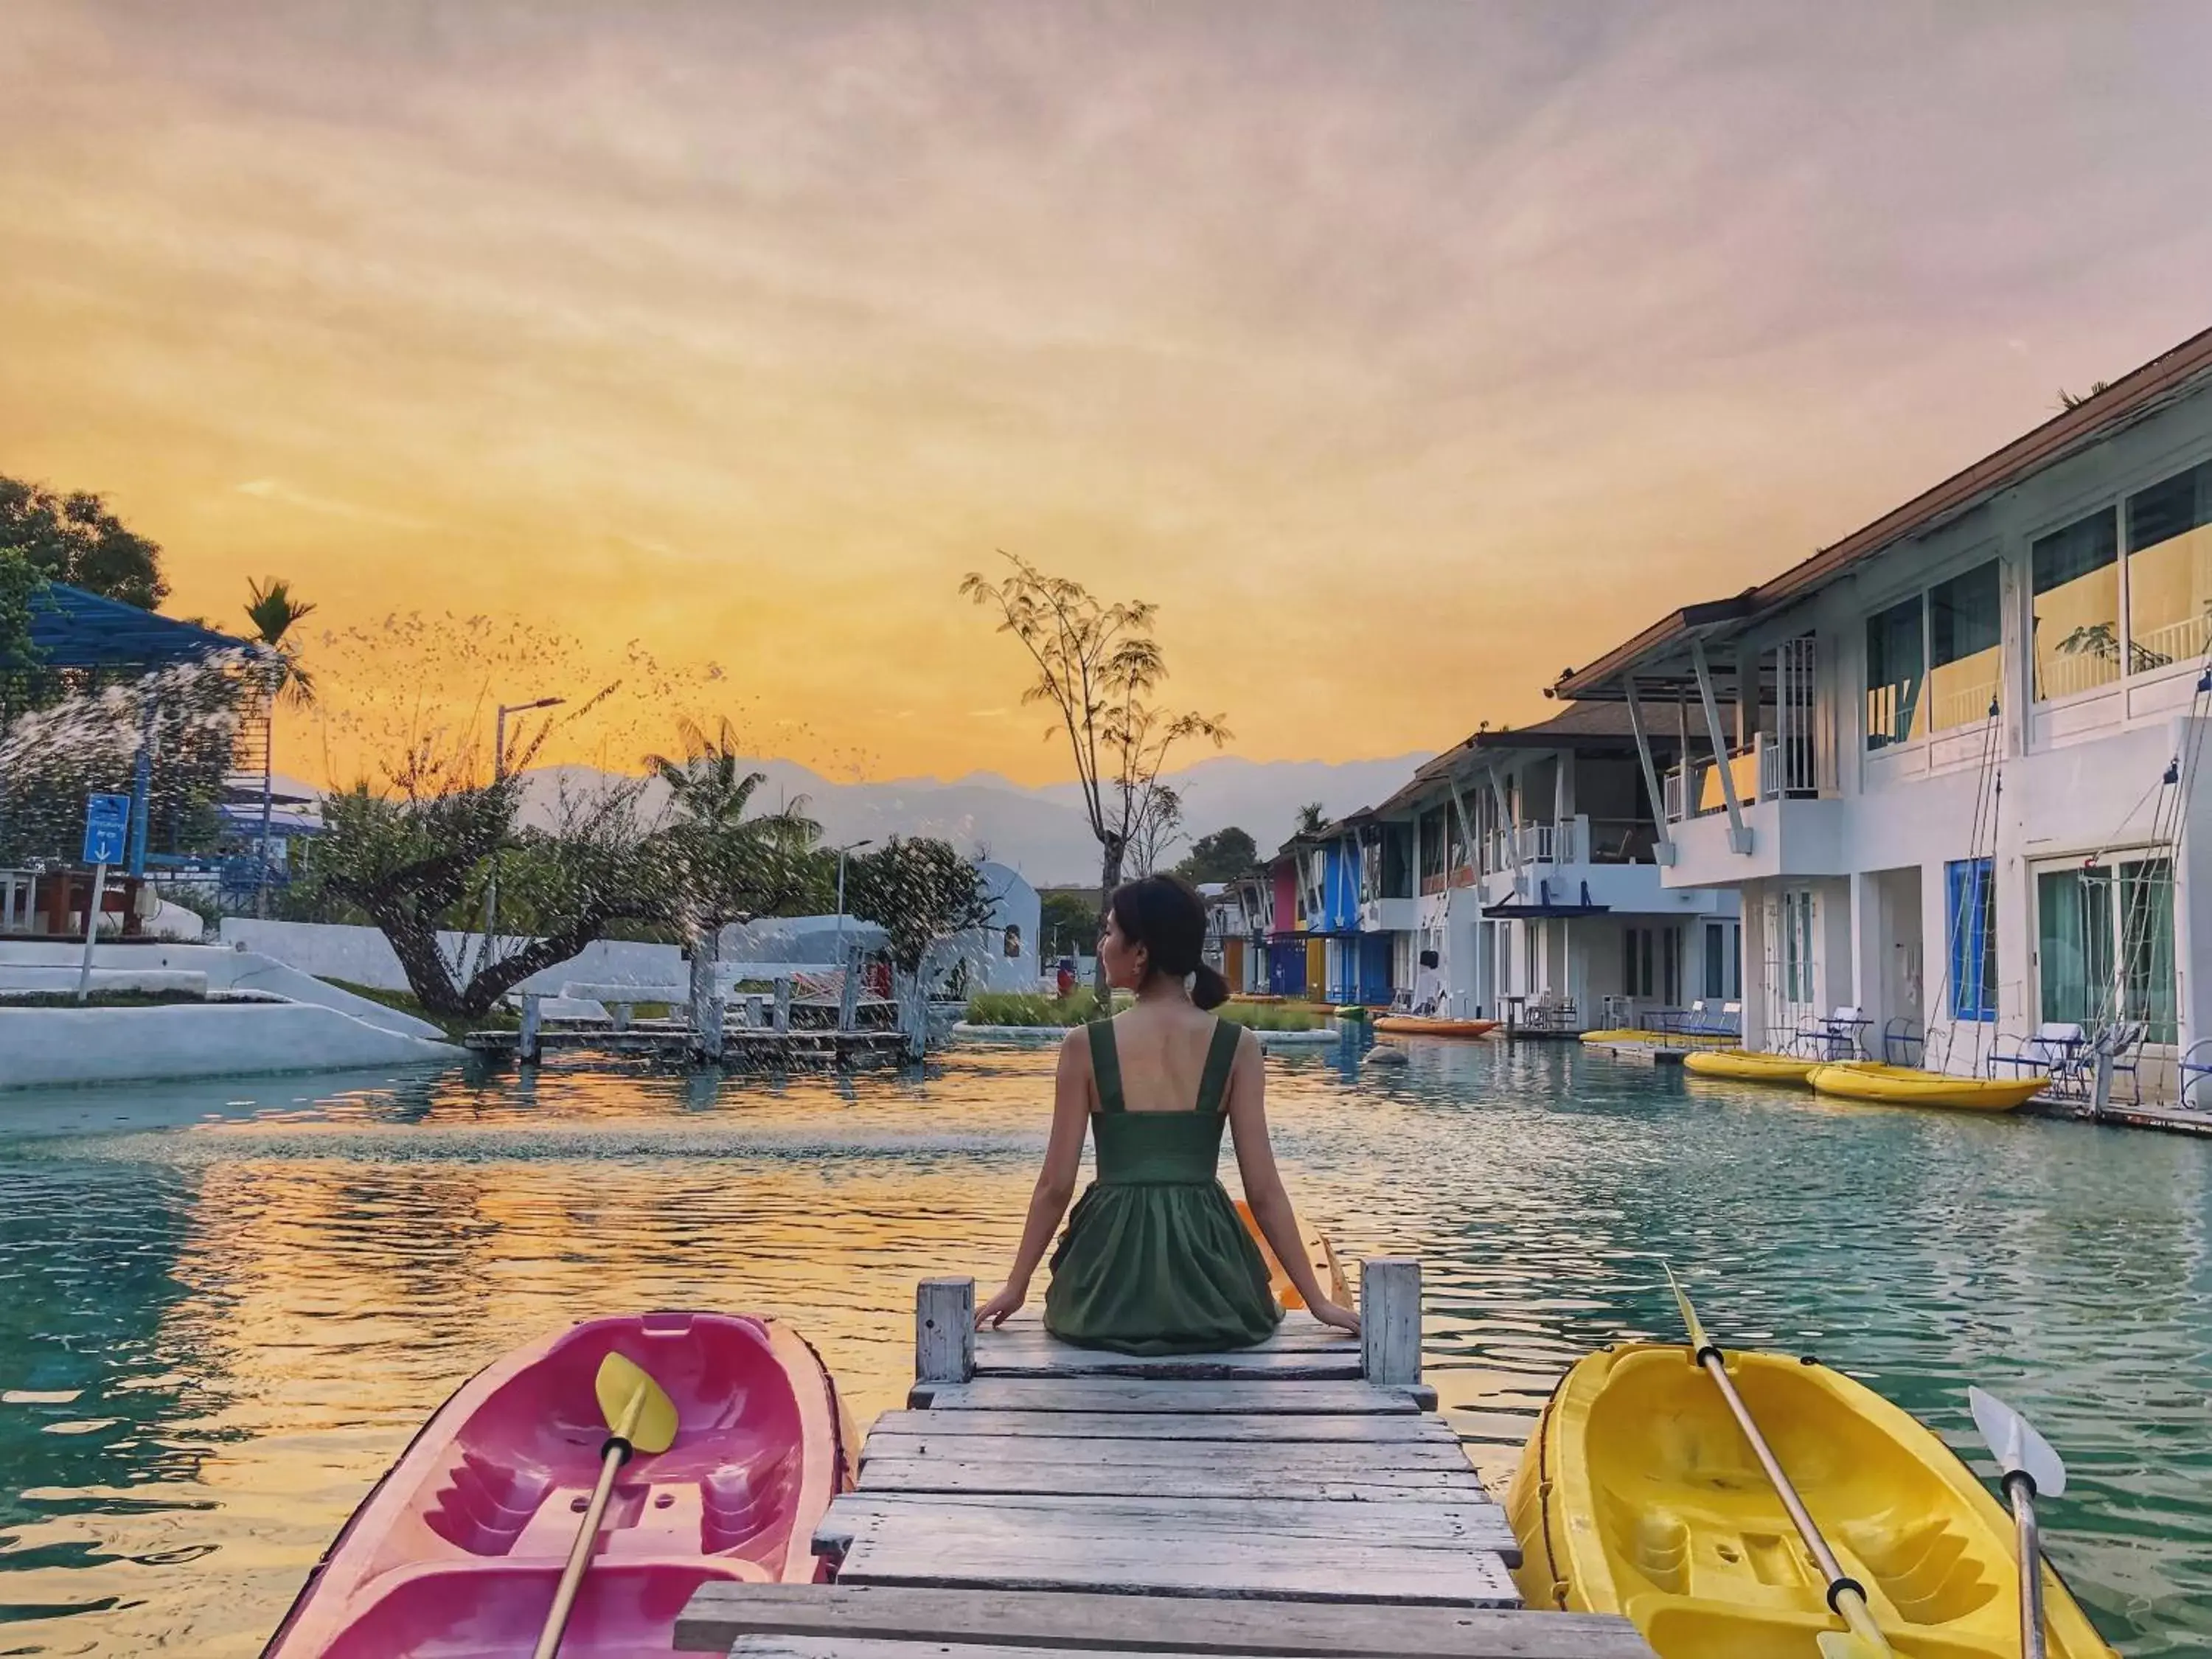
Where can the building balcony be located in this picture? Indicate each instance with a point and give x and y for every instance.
(1788, 836)
(1389, 915)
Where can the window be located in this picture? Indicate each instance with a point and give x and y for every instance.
(1651, 964)
(2170, 571)
(2106, 939)
(1723, 961)
(1894, 660)
(1797, 947)
(2077, 606)
(1965, 634)
(1970, 886)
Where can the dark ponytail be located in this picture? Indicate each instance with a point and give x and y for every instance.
(1167, 917)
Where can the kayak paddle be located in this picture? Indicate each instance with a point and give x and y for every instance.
(2031, 1470)
(1846, 1595)
(640, 1418)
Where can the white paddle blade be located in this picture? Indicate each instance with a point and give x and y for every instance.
(2014, 1443)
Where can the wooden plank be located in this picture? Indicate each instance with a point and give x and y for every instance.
(721, 1613)
(1299, 1332)
(944, 1330)
(1390, 1319)
(1043, 1357)
(1454, 1526)
(1117, 1394)
(938, 1549)
(1360, 1428)
(1255, 1480)
(846, 1647)
(1292, 1460)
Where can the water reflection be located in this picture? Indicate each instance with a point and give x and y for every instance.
(228, 1308)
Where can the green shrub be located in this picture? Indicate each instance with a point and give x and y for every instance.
(1273, 1016)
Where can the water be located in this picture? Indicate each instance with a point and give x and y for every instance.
(223, 1309)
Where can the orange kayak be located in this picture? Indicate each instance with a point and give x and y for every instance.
(1415, 1026)
(1319, 1252)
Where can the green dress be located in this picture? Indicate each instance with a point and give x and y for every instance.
(1155, 1259)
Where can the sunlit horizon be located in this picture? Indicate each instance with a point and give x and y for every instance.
(1405, 355)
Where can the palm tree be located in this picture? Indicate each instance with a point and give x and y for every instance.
(1312, 817)
(274, 612)
(708, 787)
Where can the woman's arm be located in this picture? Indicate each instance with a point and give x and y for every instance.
(1263, 1184)
(1055, 1185)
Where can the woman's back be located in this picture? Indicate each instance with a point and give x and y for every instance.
(1162, 1051)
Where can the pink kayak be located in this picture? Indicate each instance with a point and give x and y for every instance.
(456, 1553)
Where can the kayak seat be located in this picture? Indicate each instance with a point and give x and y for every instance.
(484, 1508)
(1923, 1566)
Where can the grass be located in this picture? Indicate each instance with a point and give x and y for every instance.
(1031, 1008)
(103, 999)
(1022, 1008)
(455, 1026)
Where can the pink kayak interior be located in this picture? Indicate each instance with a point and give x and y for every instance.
(456, 1553)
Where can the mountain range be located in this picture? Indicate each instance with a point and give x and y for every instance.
(1041, 832)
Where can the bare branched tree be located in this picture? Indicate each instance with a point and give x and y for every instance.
(1097, 668)
(1158, 826)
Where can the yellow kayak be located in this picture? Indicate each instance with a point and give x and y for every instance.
(1638, 1495)
(1906, 1085)
(1746, 1066)
(1319, 1252)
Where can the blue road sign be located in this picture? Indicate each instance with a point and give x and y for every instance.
(107, 828)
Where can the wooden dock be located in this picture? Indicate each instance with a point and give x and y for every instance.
(1300, 1499)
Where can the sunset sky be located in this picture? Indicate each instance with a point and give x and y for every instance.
(1405, 353)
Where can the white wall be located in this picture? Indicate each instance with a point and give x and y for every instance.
(48, 1046)
(34, 965)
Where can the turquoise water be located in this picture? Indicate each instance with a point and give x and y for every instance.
(223, 1309)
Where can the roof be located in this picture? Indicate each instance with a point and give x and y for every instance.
(1584, 727)
(2180, 372)
(72, 628)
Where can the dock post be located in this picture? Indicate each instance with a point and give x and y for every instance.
(848, 993)
(2100, 1083)
(783, 1003)
(944, 1331)
(1390, 1320)
(525, 1042)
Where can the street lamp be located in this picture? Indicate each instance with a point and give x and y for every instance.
(499, 775)
(849, 846)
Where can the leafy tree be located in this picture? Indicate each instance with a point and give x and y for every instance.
(918, 890)
(74, 539)
(1157, 829)
(19, 582)
(1313, 818)
(1222, 856)
(1097, 668)
(417, 864)
(1069, 920)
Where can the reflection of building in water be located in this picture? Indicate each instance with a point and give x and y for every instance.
(1948, 761)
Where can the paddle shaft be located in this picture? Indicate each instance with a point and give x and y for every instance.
(587, 1535)
(1845, 1595)
(2020, 1487)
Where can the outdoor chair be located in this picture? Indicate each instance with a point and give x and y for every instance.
(1837, 1036)
(2196, 1062)
(2058, 1049)
(1679, 1022)
(1903, 1042)
(1725, 1022)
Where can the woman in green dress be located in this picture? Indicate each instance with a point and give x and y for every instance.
(1155, 1259)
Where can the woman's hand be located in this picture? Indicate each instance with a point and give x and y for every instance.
(1329, 1313)
(1009, 1300)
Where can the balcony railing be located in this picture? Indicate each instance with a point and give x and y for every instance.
(1764, 769)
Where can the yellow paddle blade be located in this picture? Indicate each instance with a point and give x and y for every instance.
(1698, 1343)
(636, 1408)
(1842, 1645)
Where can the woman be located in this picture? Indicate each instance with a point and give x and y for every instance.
(1155, 1259)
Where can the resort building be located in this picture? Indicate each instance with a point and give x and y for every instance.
(1950, 764)
(1527, 862)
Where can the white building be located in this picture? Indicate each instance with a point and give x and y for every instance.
(1961, 747)
(1526, 860)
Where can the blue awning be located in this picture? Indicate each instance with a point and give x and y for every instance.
(72, 628)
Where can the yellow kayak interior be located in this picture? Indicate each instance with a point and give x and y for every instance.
(1638, 1495)
(1748, 1065)
(1906, 1085)
(1329, 1272)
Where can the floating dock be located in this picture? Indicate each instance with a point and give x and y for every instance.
(1300, 1499)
